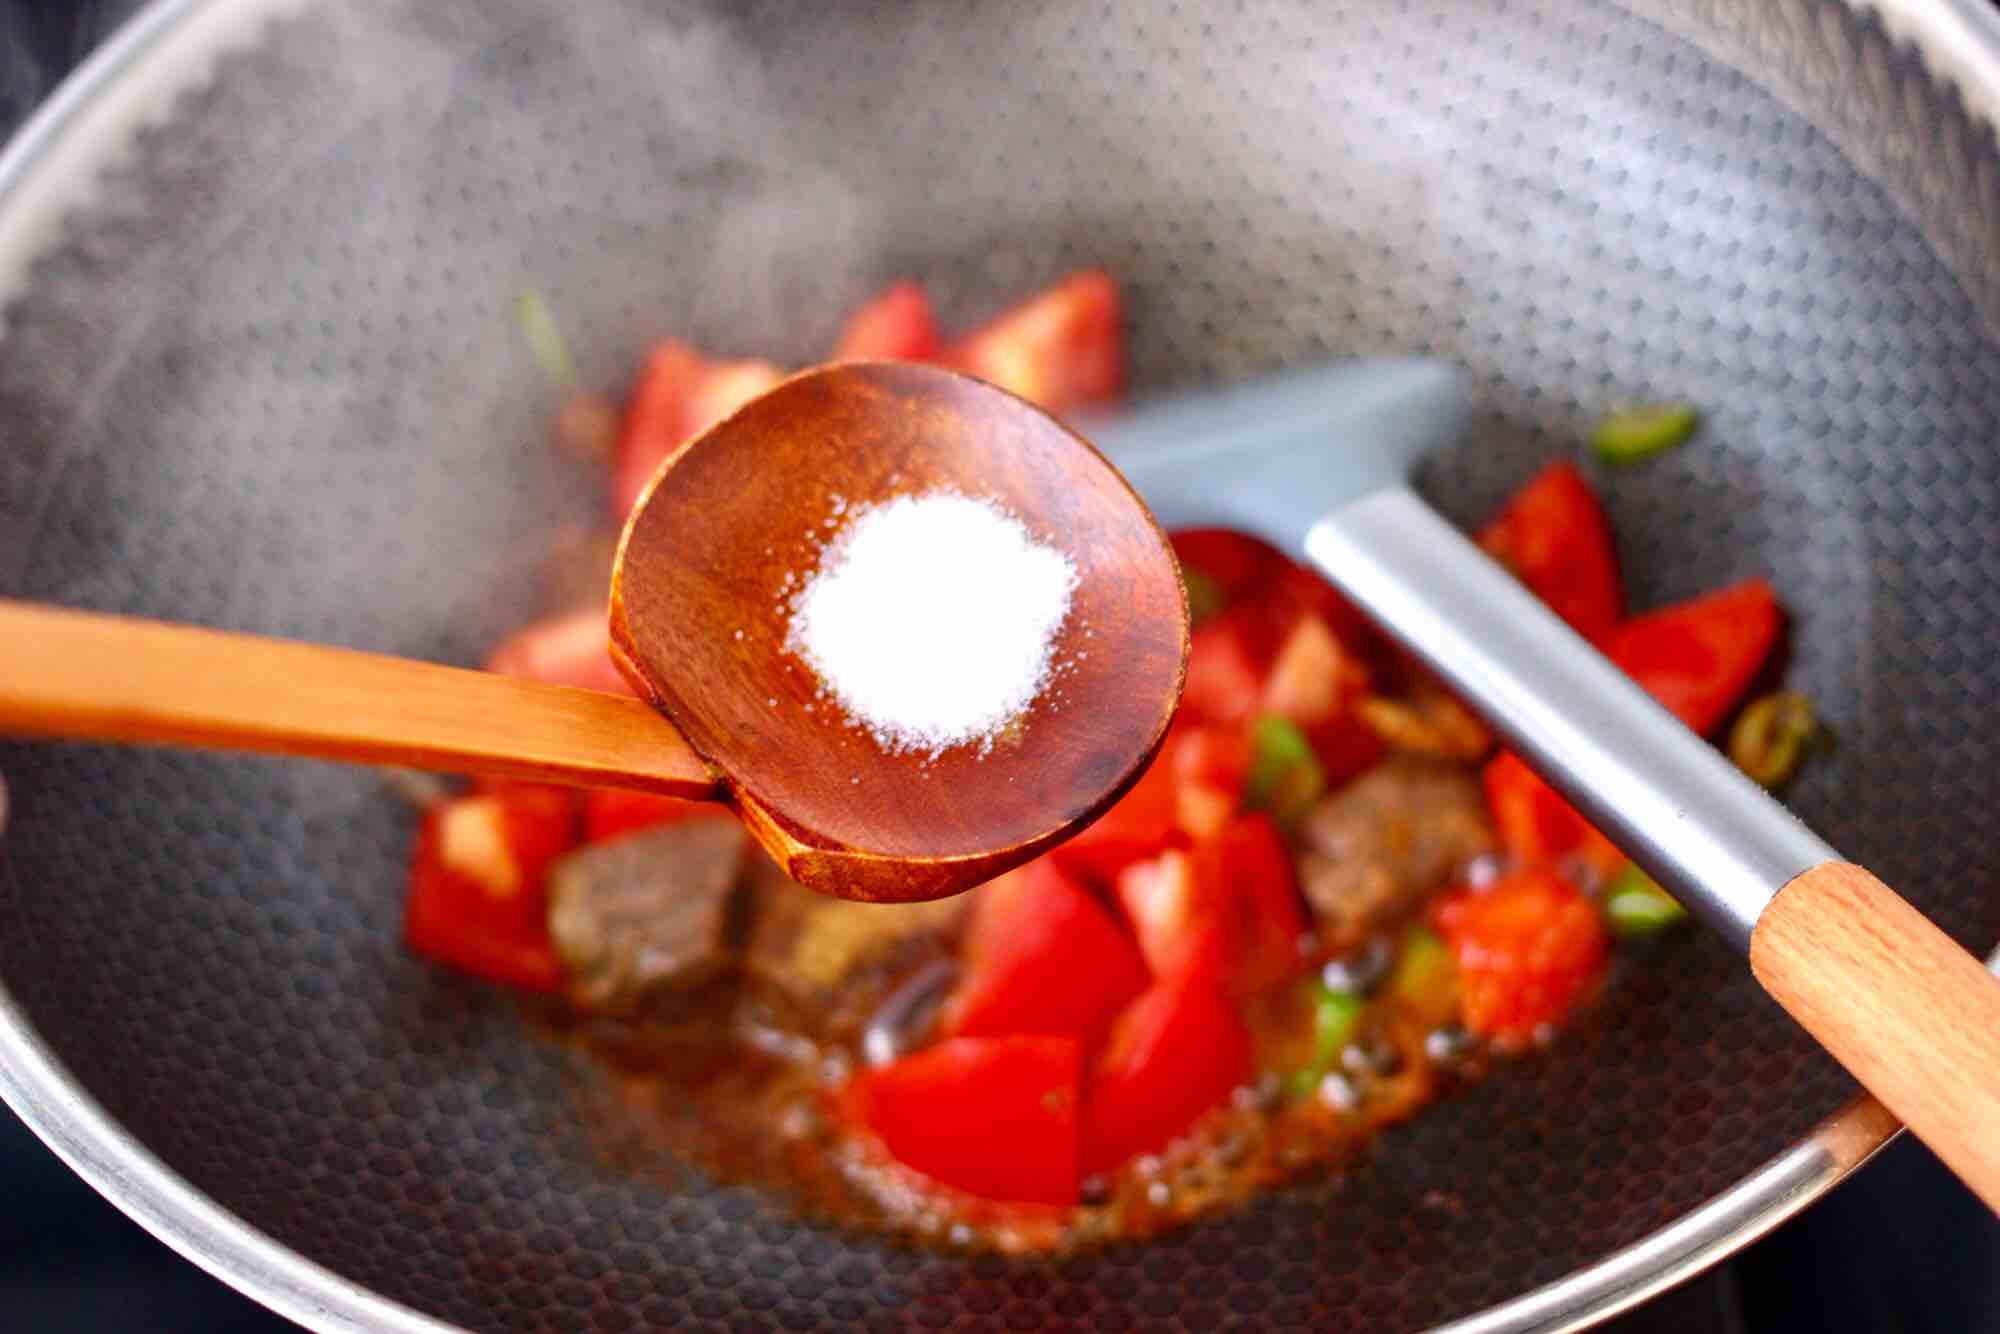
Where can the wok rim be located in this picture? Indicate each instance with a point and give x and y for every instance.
(48, 170)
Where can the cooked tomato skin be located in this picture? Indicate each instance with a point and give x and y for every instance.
(1698, 657)
(897, 325)
(1554, 535)
(1528, 948)
(1533, 822)
(1042, 956)
(1062, 349)
(1249, 872)
(679, 394)
(1240, 565)
(613, 812)
(1174, 1053)
(491, 919)
(996, 1117)
(1695, 657)
(1139, 824)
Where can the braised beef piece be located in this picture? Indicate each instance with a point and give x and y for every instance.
(641, 919)
(804, 950)
(1372, 849)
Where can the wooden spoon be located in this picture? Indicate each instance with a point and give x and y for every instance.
(698, 623)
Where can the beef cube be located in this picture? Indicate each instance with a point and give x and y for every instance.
(642, 918)
(804, 949)
(1376, 847)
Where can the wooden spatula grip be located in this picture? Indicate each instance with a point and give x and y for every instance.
(1909, 1013)
(111, 678)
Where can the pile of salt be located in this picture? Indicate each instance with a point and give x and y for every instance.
(931, 619)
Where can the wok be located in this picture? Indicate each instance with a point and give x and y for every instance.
(259, 371)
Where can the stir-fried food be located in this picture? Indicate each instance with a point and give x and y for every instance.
(1327, 902)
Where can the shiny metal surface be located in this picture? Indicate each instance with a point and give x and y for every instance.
(1693, 1242)
(1774, 1193)
(1338, 444)
(1719, 842)
(1275, 455)
(81, 1133)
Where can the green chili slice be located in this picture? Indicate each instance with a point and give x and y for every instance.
(1204, 594)
(545, 340)
(1286, 777)
(1773, 736)
(1640, 433)
(1635, 905)
(1336, 1016)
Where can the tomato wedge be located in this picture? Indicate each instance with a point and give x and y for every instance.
(540, 820)
(610, 812)
(1042, 955)
(1347, 747)
(1227, 657)
(680, 394)
(1172, 917)
(1062, 349)
(1528, 947)
(1312, 677)
(1296, 587)
(1553, 534)
(995, 1117)
(1175, 1052)
(1248, 569)
(1229, 907)
(1271, 653)
(1535, 824)
(1211, 763)
(1142, 822)
(1247, 871)
(1240, 565)
(898, 325)
(572, 650)
(476, 898)
(1698, 657)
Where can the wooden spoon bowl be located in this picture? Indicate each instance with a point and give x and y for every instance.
(700, 601)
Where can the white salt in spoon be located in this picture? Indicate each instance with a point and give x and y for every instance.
(949, 759)
(1000, 648)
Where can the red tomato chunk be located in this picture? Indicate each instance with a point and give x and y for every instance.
(476, 899)
(573, 650)
(1527, 947)
(1105, 991)
(896, 326)
(1042, 956)
(992, 1116)
(1175, 1052)
(1554, 535)
(1062, 350)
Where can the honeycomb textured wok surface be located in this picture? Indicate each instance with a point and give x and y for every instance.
(270, 380)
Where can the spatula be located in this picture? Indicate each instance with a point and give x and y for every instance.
(1320, 462)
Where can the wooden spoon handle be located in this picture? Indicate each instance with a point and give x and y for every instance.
(111, 678)
(1909, 1013)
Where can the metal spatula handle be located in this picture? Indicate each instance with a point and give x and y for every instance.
(1671, 801)
(1907, 1011)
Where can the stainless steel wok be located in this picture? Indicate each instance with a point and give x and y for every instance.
(258, 370)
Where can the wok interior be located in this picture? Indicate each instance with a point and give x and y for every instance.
(270, 382)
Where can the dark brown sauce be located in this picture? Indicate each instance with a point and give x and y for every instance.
(727, 1091)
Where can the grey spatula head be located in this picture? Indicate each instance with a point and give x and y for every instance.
(1903, 1007)
(1275, 456)
(1318, 462)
